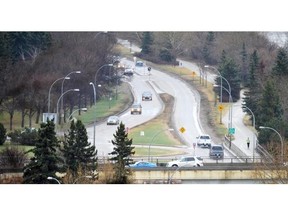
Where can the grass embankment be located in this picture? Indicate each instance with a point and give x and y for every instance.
(156, 133)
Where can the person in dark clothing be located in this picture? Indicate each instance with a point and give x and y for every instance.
(248, 142)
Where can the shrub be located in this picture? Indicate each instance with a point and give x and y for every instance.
(2, 134)
(26, 137)
(12, 157)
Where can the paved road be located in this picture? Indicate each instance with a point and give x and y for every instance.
(242, 132)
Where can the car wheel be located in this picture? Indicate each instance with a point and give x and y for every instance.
(198, 165)
(174, 165)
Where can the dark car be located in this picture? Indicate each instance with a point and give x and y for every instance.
(216, 151)
(146, 96)
(128, 72)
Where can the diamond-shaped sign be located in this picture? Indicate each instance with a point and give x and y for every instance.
(182, 129)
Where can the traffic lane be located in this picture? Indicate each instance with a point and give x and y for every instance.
(150, 109)
(186, 112)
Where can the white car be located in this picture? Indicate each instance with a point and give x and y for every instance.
(186, 161)
(204, 140)
(113, 120)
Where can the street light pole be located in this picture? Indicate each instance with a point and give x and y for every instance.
(221, 100)
(282, 144)
(94, 124)
(83, 109)
(105, 65)
(254, 137)
(169, 129)
(62, 87)
(51, 88)
(62, 96)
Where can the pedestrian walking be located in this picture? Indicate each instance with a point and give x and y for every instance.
(248, 142)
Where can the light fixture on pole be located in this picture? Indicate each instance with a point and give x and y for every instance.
(82, 109)
(169, 129)
(95, 78)
(50, 91)
(281, 140)
(94, 124)
(62, 86)
(62, 96)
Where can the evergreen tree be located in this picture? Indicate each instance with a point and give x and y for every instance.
(147, 42)
(269, 106)
(121, 154)
(45, 161)
(281, 64)
(207, 48)
(229, 70)
(77, 151)
(253, 94)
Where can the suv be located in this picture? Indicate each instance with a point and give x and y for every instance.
(216, 151)
(186, 161)
(204, 140)
(136, 108)
(146, 96)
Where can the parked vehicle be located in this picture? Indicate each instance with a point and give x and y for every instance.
(216, 151)
(143, 164)
(204, 140)
(136, 108)
(113, 120)
(147, 95)
(186, 161)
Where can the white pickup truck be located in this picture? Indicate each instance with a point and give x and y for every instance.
(204, 140)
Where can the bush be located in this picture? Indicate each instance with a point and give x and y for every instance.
(2, 134)
(12, 157)
(26, 137)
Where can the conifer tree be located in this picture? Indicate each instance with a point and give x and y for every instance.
(77, 151)
(253, 94)
(269, 106)
(45, 161)
(147, 42)
(281, 64)
(230, 71)
(121, 154)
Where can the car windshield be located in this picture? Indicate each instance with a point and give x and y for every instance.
(204, 137)
(199, 158)
(217, 148)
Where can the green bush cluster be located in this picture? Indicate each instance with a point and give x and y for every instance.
(28, 136)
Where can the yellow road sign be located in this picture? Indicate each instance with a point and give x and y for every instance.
(182, 129)
(220, 107)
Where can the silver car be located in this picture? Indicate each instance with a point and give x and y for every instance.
(136, 108)
(113, 120)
